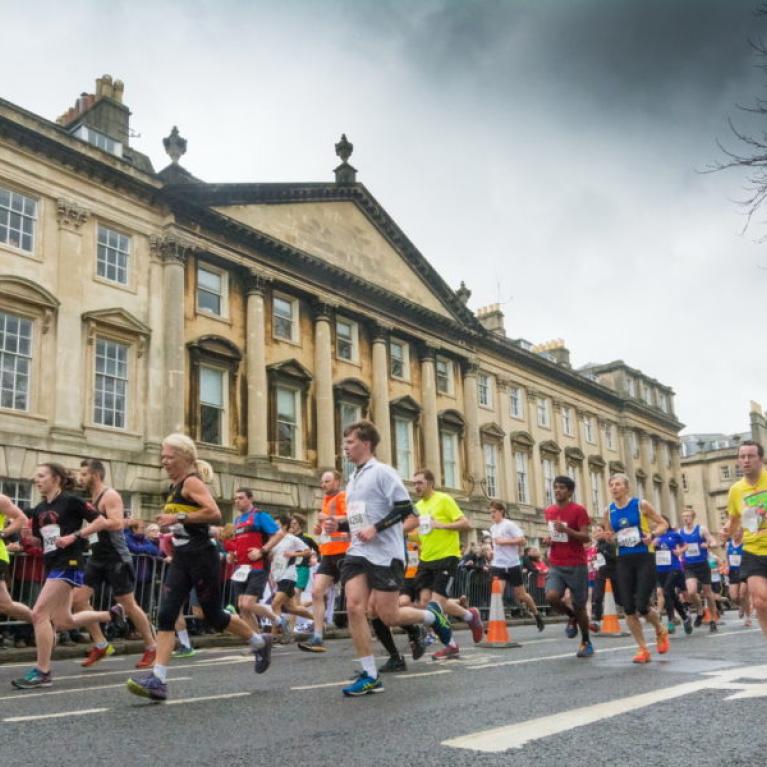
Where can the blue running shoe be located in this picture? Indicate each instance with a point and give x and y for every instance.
(441, 623)
(363, 685)
(33, 678)
(586, 650)
(571, 630)
(148, 686)
(184, 652)
(263, 654)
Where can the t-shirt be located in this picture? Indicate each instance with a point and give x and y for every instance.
(284, 568)
(505, 555)
(252, 529)
(565, 551)
(438, 544)
(749, 504)
(371, 493)
(64, 515)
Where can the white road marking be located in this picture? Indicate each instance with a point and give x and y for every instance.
(207, 697)
(59, 715)
(23, 695)
(349, 681)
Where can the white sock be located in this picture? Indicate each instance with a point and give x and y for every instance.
(369, 666)
(452, 643)
(183, 637)
(257, 641)
(161, 672)
(468, 617)
(100, 645)
(429, 619)
(318, 635)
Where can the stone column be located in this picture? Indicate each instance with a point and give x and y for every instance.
(255, 366)
(429, 415)
(471, 414)
(628, 453)
(536, 470)
(380, 405)
(323, 387)
(663, 459)
(155, 375)
(504, 409)
(676, 472)
(556, 430)
(74, 272)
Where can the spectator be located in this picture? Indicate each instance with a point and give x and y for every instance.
(146, 560)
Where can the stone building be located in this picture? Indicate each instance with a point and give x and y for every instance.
(262, 318)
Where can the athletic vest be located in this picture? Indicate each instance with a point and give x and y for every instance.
(186, 536)
(734, 555)
(697, 549)
(411, 550)
(110, 544)
(629, 525)
(334, 543)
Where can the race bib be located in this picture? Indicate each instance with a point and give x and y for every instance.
(555, 535)
(601, 561)
(754, 511)
(357, 516)
(734, 560)
(750, 519)
(50, 533)
(628, 537)
(412, 559)
(240, 575)
(93, 538)
(663, 557)
(693, 550)
(716, 576)
(424, 525)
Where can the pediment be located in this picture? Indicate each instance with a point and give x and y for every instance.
(492, 430)
(117, 319)
(574, 454)
(216, 346)
(597, 462)
(405, 405)
(617, 467)
(451, 419)
(352, 388)
(27, 291)
(522, 439)
(550, 447)
(290, 369)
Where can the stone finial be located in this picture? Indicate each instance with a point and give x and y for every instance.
(463, 293)
(344, 148)
(345, 173)
(175, 145)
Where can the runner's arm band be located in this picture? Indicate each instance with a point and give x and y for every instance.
(401, 511)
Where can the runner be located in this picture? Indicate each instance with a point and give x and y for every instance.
(747, 509)
(440, 522)
(605, 561)
(668, 566)
(11, 513)
(569, 524)
(372, 570)
(303, 564)
(628, 520)
(333, 546)
(698, 542)
(738, 588)
(506, 565)
(110, 564)
(58, 521)
(190, 509)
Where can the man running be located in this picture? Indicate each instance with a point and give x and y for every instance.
(605, 561)
(698, 541)
(11, 513)
(569, 524)
(670, 574)
(110, 564)
(737, 588)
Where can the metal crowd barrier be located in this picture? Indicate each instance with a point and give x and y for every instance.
(476, 586)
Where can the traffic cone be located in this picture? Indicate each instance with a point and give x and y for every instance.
(497, 631)
(610, 624)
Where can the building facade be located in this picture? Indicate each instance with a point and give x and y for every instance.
(263, 318)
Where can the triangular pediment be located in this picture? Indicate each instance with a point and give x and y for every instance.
(118, 319)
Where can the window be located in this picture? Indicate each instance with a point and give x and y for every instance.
(17, 220)
(517, 402)
(347, 340)
(588, 429)
(19, 491)
(349, 413)
(491, 469)
(284, 318)
(451, 476)
(548, 481)
(444, 374)
(656, 494)
(212, 404)
(403, 447)
(484, 390)
(631, 386)
(685, 486)
(399, 359)
(567, 421)
(211, 287)
(663, 402)
(288, 422)
(634, 444)
(596, 489)
(653, 450)
(112, 254)
(609, 436)
(99, 140)
(15, 361)
(110, 392)
(648, 398)
(725, 473)
(544, 415)
(520, 464)
(572, 472)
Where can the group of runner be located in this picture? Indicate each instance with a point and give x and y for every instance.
(394, 560)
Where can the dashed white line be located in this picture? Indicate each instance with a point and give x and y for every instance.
(58, 715)
(23, 695)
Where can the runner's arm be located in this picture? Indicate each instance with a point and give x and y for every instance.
(13, 513)
(113, 519)
(661, 526)
(401, 511)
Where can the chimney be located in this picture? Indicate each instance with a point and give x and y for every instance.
(491, 318)
(555, 349)
(758, 424)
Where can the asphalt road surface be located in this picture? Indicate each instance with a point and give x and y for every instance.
(702, 704)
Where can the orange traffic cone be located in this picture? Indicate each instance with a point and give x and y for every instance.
(610, 624)
(497, 631)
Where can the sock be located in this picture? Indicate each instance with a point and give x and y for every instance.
(100, 645)
(453, 644)
(412, 632)
(384, 636)
(369, 666)
(161, 672)
(429, 619)
(318, 635)
(256, 641)
(467, 617)
(183, 637)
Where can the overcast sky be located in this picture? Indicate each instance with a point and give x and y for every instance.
(546, 152)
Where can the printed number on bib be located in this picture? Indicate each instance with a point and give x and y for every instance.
(555, 535)
(424, 524)
(735, 560)
(93, 538)
(357, 516)
(601, 561)
(750, 519)
(663, 557)
(693, 550)
(240, 575)
(629, 537)
(50, 533)
(412, 559)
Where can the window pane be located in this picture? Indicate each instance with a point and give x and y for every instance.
(212, 387)
(17, 219)
(209, 301)
(210, 424)
(209, 280)
(110, 389)
(112, 255)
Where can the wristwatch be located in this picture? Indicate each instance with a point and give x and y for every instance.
(181, 517)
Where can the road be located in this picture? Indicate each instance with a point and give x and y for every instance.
(702, 704)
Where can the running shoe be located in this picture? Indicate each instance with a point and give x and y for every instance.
(671, 626)
(594, 627)
(571, 629)
(441, 624)
(747, 623)
(418, 645)
(586, 650)
(263, 654)
(712, 627)
(118, 616)
(148, 686)
(96, 654)
(32, 679)
(446, 653)
(478, 628)
(698, 620)
(642, 656)
(538, 622)
(687, 625)
(231, 609)
(662, 644)
(147, 659)
(184, 652)
(363, 685)
(315, 644)
(393, 664)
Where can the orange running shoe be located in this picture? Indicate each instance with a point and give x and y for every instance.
(643, 656)
(147, 659)
(96, 654)
(663, 645)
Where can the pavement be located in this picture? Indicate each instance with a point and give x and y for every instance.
(701, 704)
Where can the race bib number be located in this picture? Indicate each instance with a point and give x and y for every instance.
(663, 557)
(555, 535)
(180, 537)
(600, 561)
(734, 560)
(50, 533)
(424, 525)
(693, 550)
(628, 537)
(93, 538)
(357, 516)
(412, 559)
(716, 576)
(754, 510)
(240, 575)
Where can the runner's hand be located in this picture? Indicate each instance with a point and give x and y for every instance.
(165, 520)
(65, 541)
(367, 533)
(254, 555)
(331, 525)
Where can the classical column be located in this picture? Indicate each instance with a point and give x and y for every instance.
(323, 387)
(536, 470)
(255, 366)
(155, 414)
(663, 460)
(502, 387)
(380, 406)
(471, 414)
(556, 428)
(74, 272)
(429, 415)
(628, 452)
(676, 472)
